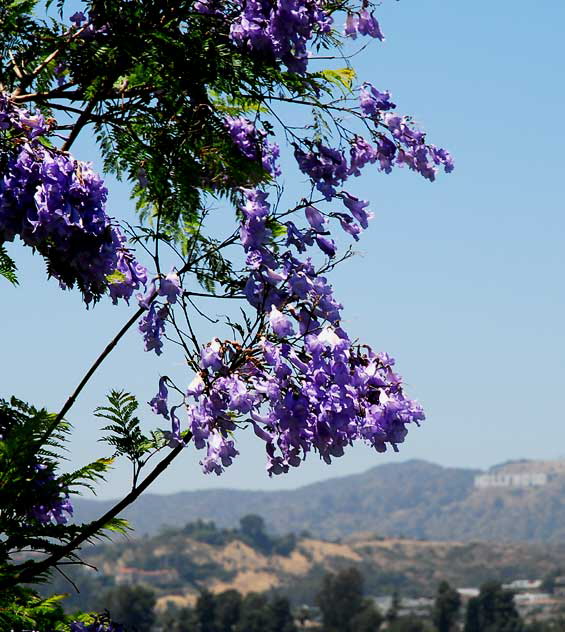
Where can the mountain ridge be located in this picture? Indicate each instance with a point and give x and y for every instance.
(414, 499)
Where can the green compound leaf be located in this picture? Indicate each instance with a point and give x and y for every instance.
(7, 267)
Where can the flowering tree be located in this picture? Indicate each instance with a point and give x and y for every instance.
(185, 99)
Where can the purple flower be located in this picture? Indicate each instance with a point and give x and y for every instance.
(159, 403)
(170, 287)
(368, 25)
(210, 356)
(327, 246)
(348, 225)
(361, 153)
(77, 18)
(196, 387)
(297, 238)
(386, 152)
(55, 506)
(281, 30)
(252, 143)
(56, 205)
(351, 23)
(357, 208)
(173, 436)
(373, 102)
(280, 324)
(315, 218)
(101, 623)
(244, 136)
(220, 454)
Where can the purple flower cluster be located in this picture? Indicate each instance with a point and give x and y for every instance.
(425, 159)
(15, 121)
(55, 503)
(326, 167)
(152, 323)
(80, 21)
(152, 327)
(56, 205)
(280, 29)
(252, 143)
(401, 143)
(307, 386)
(373, 102)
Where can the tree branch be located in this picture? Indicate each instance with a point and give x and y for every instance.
(71, 400)
(32, 570)
(80, 123)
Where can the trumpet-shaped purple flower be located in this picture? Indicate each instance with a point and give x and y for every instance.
(210, 356)
(159, 404)
(315, 218)
(363, 23)
(373, 102)
(368, 25)
(357, 208)
(220, 454)
(170, 287)
(327, 246)
(361, 153)
(280, 323)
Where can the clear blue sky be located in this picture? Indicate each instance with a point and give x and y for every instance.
(460, 280)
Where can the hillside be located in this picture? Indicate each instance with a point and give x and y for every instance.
(177, 564)
(414, 499)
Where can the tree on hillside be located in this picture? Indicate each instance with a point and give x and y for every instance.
(133, 606)
(368, 619)
(280, 615)
(228, 610)
(340, 599)
(205, 612)
(255, 615)
(192, 102)
(252, 528)
(446, 608)
(493, 610)
(408, 623)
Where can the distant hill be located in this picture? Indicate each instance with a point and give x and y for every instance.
(414, 499)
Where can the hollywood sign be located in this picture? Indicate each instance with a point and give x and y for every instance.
(511, 480)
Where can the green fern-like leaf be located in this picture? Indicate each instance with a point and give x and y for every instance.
(123, 432)
(87, 476)
(7, 266)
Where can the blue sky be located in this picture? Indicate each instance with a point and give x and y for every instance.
(460, 280)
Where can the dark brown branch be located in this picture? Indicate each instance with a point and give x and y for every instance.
(71, 400)
(80, 123)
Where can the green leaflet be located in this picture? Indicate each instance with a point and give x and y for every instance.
(7, 267)
(341, 77)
